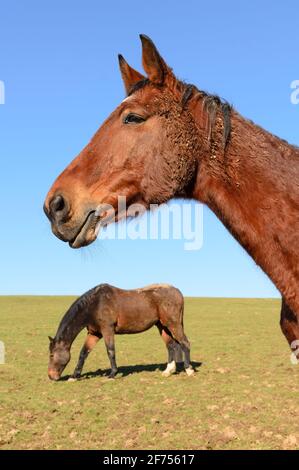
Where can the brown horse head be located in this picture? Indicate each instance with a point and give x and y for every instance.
(146, 151)
(59, 357)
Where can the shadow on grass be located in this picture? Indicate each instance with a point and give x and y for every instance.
(128, 370)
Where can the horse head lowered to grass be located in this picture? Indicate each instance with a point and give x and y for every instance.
(169, 139)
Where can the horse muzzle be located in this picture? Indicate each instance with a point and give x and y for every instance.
(53, 375)
(77, 233)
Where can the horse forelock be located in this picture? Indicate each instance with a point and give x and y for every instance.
(138, 86)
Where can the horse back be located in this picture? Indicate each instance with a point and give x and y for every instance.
(134, 311)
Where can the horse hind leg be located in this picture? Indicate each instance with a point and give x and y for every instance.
(289, 323)
(185, 345)
(179, 335)
(178, 355)
(172, 351)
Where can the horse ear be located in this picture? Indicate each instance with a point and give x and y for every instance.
(129, 75)
(51, 339)
(153, 64)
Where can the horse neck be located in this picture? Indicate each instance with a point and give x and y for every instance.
(71, 324)
(250, 185)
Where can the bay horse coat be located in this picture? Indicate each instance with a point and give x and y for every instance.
(169, 139)
(106, 310)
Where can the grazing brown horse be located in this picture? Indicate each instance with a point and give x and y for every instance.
(106, 310)
(168, 139)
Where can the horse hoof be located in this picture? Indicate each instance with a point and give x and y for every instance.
(72, 379)
(166, 374)
(190, 371)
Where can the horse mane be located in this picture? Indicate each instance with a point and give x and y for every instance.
(77, 311)
(211, 104)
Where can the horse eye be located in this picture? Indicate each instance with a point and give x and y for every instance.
(133, 119)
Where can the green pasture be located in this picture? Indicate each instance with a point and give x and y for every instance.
(244, 393)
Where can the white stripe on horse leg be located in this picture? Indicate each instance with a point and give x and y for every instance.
(170, 369)
(189, 371)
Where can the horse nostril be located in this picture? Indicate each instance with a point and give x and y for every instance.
(57, 204)
(58, 208)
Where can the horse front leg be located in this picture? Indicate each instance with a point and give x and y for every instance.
(110, 347)
(289, 323)
(90, 342)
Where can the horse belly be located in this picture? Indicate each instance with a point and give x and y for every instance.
(135, 321)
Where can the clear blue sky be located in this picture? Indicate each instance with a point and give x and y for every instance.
(59, 64)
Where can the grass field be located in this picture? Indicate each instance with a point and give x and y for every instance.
(244, 394)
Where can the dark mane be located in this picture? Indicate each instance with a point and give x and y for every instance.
(76, 313)
(211, 104)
